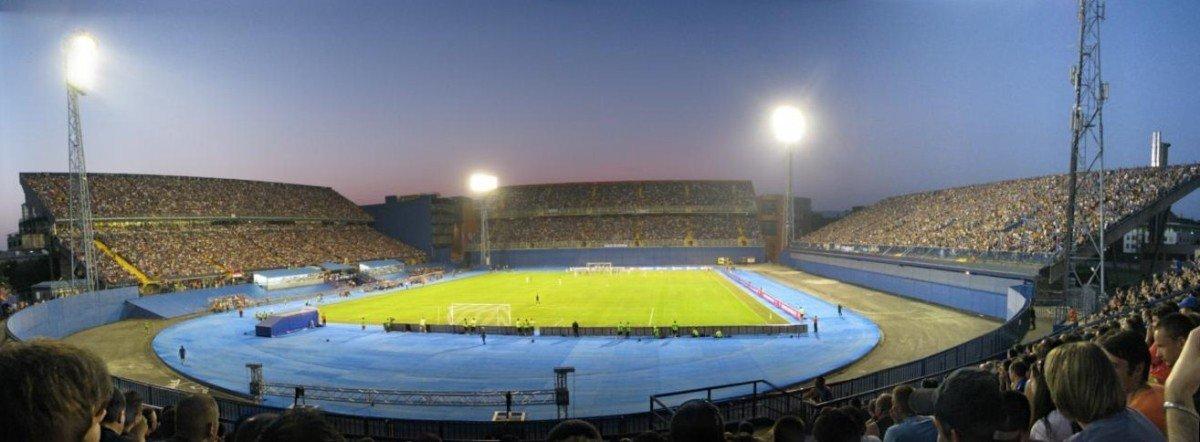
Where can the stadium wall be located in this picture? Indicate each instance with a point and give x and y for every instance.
(59, 318)
(620, 256)
(995, 297)
(409, 221)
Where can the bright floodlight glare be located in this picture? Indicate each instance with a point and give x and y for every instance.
(82, 61)
(788, 124)
(482, 182)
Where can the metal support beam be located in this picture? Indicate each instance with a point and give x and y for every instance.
(82, 236)
(1082, 241)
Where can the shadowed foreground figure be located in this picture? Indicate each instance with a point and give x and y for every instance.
(51, 391)
(698, 421)
(574, 430)
(301, 425)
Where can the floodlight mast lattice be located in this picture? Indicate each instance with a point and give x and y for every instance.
(1084, 245)
(788, 125)
(483, 184)
(82, 58)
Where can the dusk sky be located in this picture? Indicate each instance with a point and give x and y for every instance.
(379, 98)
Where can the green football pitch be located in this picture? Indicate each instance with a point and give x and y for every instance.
(639, 298)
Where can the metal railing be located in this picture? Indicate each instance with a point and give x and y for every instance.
(764, 400)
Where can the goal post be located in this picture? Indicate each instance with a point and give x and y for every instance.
(483, 314)
(592, 267)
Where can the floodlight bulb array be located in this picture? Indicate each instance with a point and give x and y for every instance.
(482, 182)
(83, 59)
(787, 122)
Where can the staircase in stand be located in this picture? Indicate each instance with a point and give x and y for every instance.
(137, 273)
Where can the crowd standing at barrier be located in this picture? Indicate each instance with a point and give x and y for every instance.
(1023, 215)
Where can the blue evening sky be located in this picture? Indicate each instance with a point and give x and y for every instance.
(376, 98)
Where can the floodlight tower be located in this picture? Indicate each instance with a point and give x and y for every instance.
(82, 60)
(1083, 245)
(482, 184)
(787, 122)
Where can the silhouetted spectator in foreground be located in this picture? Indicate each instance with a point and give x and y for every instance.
(72, 387)
(574, 430)
(196, 419)
(789, 429)
(301, 425)
(965, 407)
(697, 421)
(251, 427)
(1017, 413)
(835, 425)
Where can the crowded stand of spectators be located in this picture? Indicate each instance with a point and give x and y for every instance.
(182, 228)
(162, 196)
(629, 195)
(625, 229)
(1024, 215)
(167, 252)
(630, 213)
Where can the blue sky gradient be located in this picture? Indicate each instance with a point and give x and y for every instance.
(376, 98)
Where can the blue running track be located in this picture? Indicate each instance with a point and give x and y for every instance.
(613, 376)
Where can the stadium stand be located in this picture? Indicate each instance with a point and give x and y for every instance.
(635, 213)
(1022, 216)
(188, 229)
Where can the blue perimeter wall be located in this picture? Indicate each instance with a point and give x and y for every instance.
(620, 256)
(58, 318)
(999, 298)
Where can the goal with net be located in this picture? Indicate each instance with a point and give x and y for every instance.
(483, 314)
(593, 267)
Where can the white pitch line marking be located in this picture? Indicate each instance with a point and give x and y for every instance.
(651, 317)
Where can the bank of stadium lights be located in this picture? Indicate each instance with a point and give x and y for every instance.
(83, 59)
(787, 122)
(482, 185)
(789, 126)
